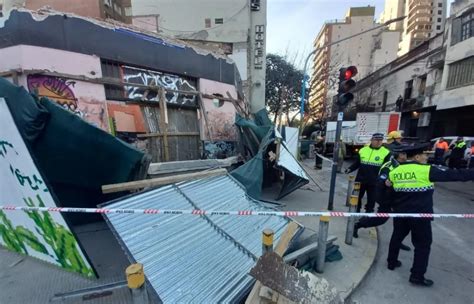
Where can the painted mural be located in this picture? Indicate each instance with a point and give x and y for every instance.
(42, 235)
(83, 99)
(159, 79)
(218, 116)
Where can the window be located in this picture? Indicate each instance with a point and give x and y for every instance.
(438, 27)
(408, 89)
(440, 4)
(462, 28)
(219, 21)
(422, 86)
(207, 22)
(461, 73)
(440, 12)
(439, 19)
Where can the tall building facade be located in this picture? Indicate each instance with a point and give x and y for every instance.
(366, 52)
(119, 10)
(424, 20)
(236, 28)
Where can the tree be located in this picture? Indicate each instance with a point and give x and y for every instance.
(283, 88)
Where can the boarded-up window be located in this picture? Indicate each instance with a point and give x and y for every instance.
(207, 22)
(461, 73)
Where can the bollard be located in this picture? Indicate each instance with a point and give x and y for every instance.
(356, 191)
(350, 188)
(322, 239)
(267, 241)
(351, 220)
(136, 283)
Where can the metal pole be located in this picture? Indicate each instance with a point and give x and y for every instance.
(350, 188)
(267, 241)
(136, 283)
(351, 220)
(322, 243)
(335, 158)
(356, 192)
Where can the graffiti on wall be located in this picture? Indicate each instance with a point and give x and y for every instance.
(154, 78)
(42, 235)
(58, 89)
(62, 92)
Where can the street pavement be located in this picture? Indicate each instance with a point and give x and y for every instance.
(451, 263)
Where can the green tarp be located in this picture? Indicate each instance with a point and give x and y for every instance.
(75, 157)
(259, 171)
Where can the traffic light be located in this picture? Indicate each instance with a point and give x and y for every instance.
(346, 83)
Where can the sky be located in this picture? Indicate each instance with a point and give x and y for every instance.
(292, 25)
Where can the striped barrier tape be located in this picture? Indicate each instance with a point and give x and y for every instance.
(234, 212)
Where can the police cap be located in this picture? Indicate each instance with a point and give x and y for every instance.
(377, 136)
(412, 150)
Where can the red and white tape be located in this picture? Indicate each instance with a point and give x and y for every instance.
(234, 212)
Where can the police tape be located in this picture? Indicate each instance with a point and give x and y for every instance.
(234, 212)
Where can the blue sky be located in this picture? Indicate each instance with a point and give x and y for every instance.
(293, 24)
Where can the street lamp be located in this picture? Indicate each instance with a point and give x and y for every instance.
(340, 117)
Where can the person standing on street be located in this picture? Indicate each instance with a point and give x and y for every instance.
(394, 140)
(457, 153)
(440, 148)
(383, 196)
(369, 161)
(318, 150)
(342, 155)
(471, 156)
(413, 188)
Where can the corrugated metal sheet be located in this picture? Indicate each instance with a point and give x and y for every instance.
(191, 259)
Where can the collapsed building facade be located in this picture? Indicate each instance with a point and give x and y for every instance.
(124, 80)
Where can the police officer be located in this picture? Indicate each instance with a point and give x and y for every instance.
(383, 195)
(457, 153)
(412, 183)
(369, 161)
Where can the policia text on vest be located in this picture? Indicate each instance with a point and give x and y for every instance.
(412, 192)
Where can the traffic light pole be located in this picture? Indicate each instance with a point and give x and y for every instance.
(335, 159)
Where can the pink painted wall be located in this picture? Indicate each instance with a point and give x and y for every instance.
(83, 98)
(220, 119)
(148, 23)
(52, 60)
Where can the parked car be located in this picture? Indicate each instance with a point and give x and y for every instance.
(447, 154)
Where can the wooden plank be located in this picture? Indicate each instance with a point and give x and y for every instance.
(164, 124)
(280, 249)
(169, 134)
(160, 181)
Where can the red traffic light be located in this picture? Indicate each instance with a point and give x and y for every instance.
(350, 72)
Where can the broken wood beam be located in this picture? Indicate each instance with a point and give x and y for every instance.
(169, 134)
(160, 181)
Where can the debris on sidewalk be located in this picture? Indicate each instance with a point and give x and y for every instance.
(202, 259)
(164, 168)
(292, 284)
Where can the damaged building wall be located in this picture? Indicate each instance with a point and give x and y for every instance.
(123, 97)
(217, 122)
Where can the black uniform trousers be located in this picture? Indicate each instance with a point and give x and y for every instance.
(421, 238)
(371, 196)
(367, 222)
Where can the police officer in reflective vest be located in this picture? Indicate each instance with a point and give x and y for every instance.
(457, 153)
(369, 161)
(412, 183)
(383, 196)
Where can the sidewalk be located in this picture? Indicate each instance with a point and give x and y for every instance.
(27, 280)
(346, 274)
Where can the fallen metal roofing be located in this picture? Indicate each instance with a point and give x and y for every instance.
(190, 259)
